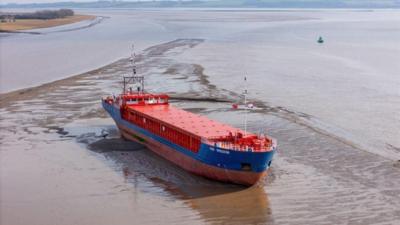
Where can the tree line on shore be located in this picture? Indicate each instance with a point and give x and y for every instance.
(41, 15)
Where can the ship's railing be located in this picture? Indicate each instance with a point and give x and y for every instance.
(240, 147)
(145, 99)
(138, 99)
(240, 143)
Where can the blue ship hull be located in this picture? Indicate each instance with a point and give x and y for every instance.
(242, 167)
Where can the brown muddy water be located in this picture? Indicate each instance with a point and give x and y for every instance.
(56, 168)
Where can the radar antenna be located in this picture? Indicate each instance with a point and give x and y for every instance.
(133, 78)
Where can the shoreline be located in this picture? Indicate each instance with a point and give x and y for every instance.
(22, 25)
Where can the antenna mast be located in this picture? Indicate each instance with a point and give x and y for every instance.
(245, 106)
(134, 79)
(133, 60)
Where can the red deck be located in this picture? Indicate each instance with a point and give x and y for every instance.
(153, 113)
(190, 122)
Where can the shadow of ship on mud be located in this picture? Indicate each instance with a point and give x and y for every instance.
(216, 203)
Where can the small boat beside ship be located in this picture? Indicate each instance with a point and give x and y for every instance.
(193, 142)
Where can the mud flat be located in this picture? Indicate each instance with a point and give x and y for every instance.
(29, 24)
(56, 168)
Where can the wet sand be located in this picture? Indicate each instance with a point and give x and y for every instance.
(29, 24)
(56, 168)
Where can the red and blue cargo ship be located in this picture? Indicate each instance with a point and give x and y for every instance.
(193, 142)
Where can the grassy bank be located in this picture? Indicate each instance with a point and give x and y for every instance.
(28, 24)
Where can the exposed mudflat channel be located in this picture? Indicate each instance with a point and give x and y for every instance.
(56, 168)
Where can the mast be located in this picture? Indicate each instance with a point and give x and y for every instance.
(133, 79)
(245, 106)
(133, 60)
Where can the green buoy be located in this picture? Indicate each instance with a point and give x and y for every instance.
(320, 40)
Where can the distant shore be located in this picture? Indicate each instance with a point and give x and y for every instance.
(29, 24)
